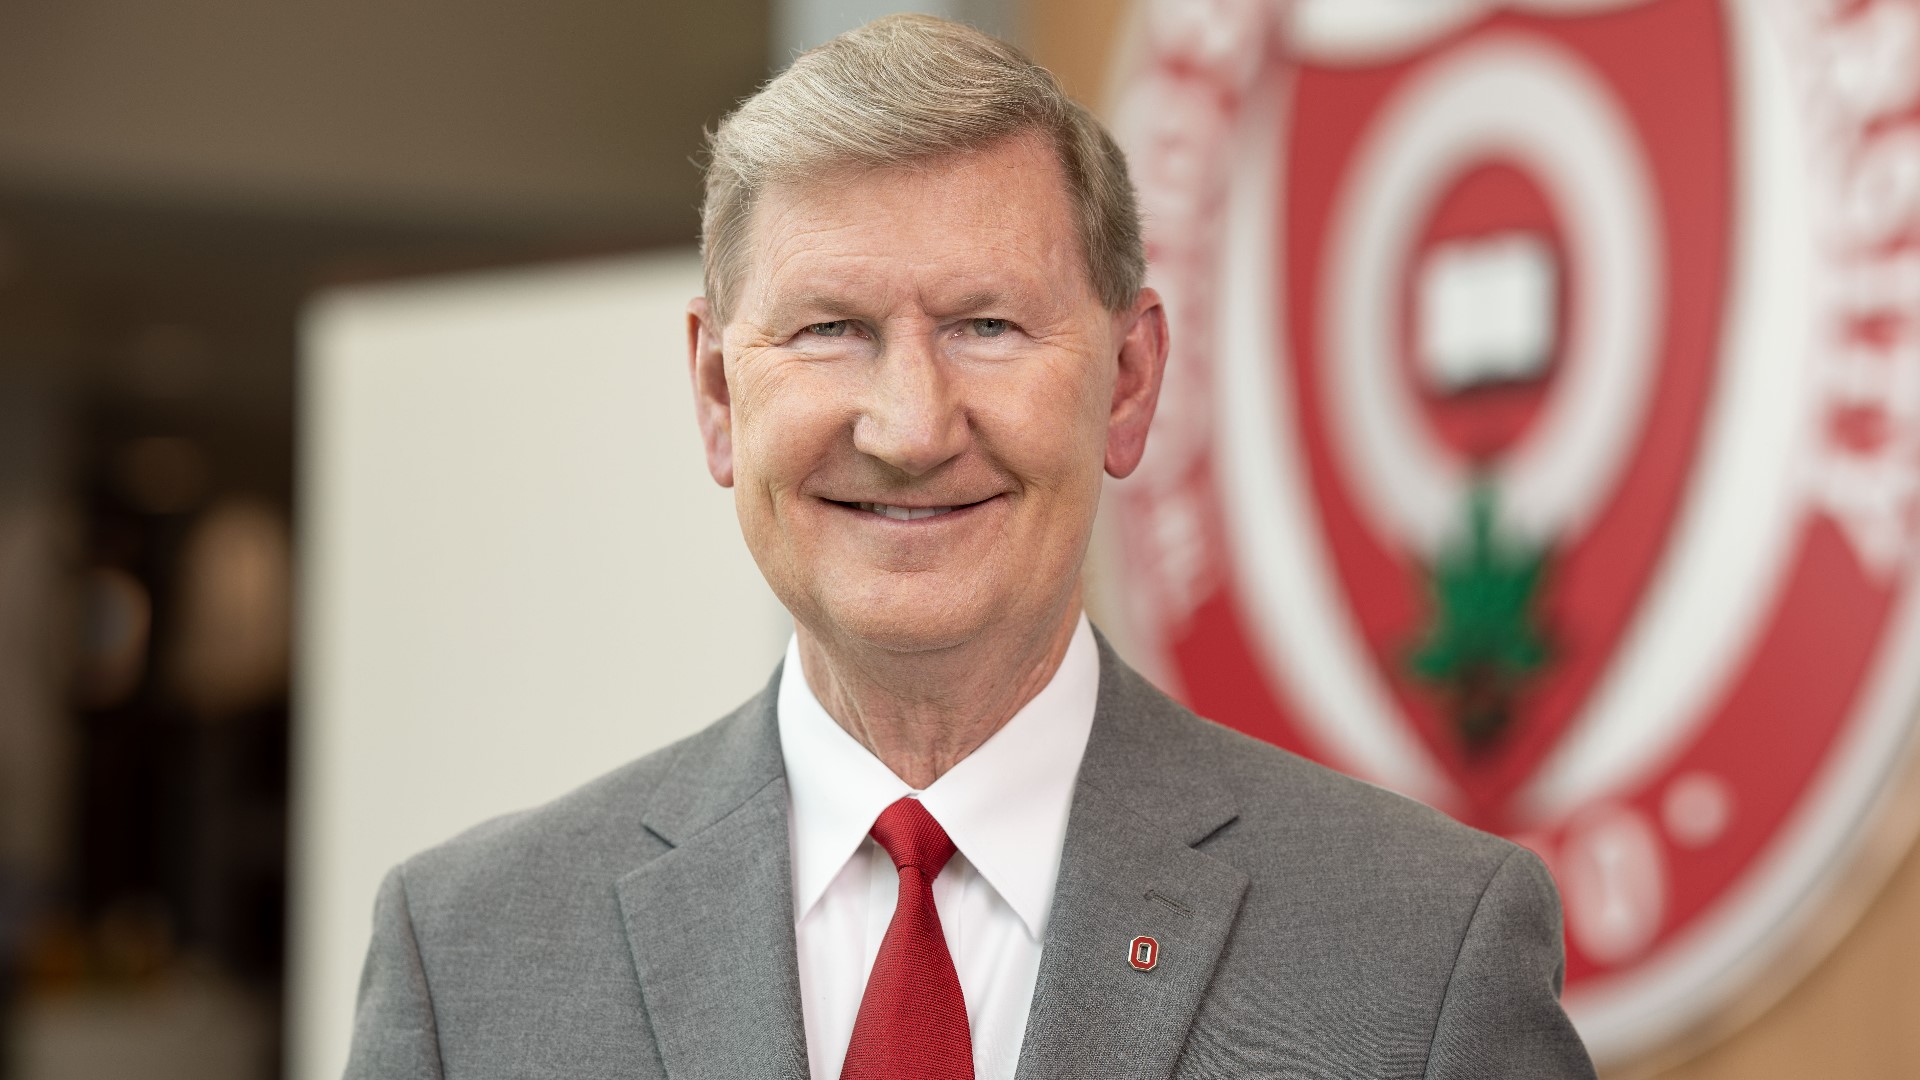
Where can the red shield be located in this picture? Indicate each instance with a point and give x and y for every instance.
(1536, 439)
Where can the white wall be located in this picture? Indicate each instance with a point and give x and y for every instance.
(516, 576)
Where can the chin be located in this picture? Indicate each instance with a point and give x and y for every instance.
(906, 619)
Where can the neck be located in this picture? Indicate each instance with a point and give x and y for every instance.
(922, 713)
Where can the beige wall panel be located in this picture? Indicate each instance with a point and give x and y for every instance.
(1074, 39)
(1852, 1017)
(517, 575)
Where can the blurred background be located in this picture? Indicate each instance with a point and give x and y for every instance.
(404, 282)
(176, 181)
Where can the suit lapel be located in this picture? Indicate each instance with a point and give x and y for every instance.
(1130, 868)
(710, 921)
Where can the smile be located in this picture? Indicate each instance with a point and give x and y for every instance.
(907, 513)
(904, 513)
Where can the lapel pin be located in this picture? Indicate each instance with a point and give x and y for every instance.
(1143, 953)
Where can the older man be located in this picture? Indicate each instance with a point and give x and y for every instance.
(955, 836)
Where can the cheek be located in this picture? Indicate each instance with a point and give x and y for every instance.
(781, 427)
(1052, 425)
(781, 435)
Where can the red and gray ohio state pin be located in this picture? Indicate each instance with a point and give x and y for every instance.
(1143, 953)
(1542, 436)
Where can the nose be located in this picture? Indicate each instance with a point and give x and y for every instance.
(911, 416)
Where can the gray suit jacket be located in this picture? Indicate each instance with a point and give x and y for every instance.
(1309, 925)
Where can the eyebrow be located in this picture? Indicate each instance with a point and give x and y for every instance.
(838, 307)
(979, 301)
(787, 311)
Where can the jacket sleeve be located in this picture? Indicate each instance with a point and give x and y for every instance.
(1501, 1015)
(394, 1034)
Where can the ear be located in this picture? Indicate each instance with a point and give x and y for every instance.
(1136, 391)
(712, 403)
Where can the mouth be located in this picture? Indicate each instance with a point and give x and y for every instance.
(909, 513)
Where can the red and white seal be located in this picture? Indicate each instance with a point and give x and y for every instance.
(1542, 436)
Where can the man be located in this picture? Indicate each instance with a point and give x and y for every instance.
(955, 836)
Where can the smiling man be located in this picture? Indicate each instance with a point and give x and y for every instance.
(955, 836)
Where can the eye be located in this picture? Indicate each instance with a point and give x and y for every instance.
(836, 328)
(991, 327)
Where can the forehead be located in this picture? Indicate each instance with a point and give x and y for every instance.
(992, 221)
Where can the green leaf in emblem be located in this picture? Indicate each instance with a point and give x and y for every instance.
(1483, 639)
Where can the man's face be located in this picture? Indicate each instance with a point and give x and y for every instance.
(916, 395)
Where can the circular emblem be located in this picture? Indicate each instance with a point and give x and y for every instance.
(1542, 436)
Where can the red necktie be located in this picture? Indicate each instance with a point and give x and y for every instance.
(913, 1021)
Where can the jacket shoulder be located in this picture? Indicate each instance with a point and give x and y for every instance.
(1348, 812)
(1268, 783)
(1289, 813)
(603, 829)
(1364, 913)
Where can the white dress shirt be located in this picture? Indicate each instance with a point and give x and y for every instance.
(1005, 808)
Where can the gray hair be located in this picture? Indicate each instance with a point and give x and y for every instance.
(903, 89)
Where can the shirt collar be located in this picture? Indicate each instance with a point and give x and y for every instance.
(1004, 806)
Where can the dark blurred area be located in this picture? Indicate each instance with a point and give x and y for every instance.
(174, 180)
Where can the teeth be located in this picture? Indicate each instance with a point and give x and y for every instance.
(905, 513)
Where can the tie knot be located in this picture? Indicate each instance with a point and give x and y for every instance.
(911, 837)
